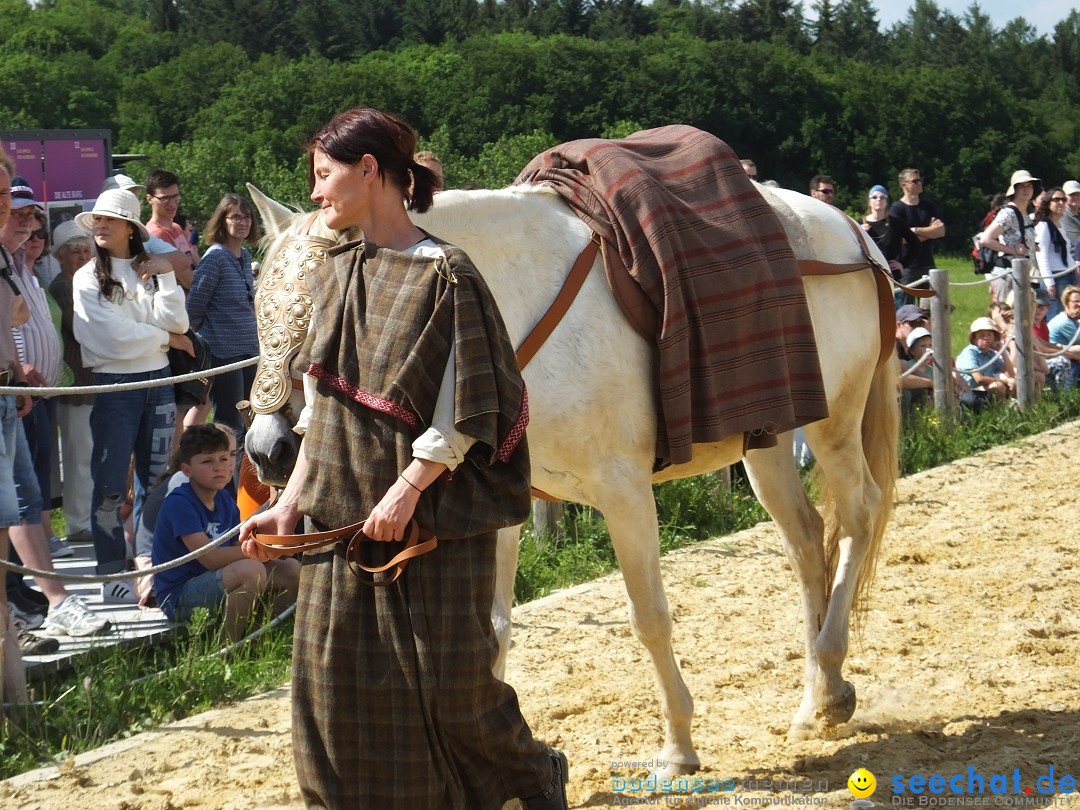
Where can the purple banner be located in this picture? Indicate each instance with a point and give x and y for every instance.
(26, 156)
(74, 169)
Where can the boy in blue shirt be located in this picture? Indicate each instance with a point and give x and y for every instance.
(192, 515)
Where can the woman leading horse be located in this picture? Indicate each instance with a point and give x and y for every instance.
(419, 416)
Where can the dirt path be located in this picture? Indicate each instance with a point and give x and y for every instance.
(968, 658)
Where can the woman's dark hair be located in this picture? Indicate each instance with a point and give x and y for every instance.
(1043, 211)
(387, 138)
(217, 232)
(102, 266)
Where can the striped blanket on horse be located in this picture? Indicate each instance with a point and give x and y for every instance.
(715, 281)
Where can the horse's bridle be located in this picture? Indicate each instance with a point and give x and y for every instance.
(283, 314)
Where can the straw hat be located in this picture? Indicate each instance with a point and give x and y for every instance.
(65, 232)
(117, 204)
(1019, 176)
(980, 324)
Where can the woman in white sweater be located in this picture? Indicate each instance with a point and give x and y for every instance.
(128, 312)
(1055, 254)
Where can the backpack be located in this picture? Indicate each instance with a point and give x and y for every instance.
(986, 260)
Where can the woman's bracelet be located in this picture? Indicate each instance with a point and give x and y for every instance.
(410, 483)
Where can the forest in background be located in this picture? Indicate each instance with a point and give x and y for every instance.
(228, 91)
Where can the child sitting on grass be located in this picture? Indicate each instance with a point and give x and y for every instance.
(192, 515)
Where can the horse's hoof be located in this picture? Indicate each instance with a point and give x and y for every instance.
(841, 709)
(671, 769)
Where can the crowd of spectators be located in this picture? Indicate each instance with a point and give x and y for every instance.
(104, 306)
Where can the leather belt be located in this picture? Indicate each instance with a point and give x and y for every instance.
(417, 541)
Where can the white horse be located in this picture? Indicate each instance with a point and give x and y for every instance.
(592, 426)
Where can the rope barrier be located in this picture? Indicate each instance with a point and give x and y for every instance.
(992, 360)
(145, 572)
(77, 390)
(922, 361)
(1063, 349)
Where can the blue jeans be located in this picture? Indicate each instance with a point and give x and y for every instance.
(9, 422)
(228, 389)
(206, 590)
(126, 423)
(40, 428)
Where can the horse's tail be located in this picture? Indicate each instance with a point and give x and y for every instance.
(881, 449)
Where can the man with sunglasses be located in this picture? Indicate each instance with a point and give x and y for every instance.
(922, 218)
(823, 188)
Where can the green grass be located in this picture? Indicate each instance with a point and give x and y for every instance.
(970, 302)
(119, 692)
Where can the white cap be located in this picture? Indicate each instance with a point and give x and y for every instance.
(1071, 187)
(915, 334)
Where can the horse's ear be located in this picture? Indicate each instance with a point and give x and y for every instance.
(276, 217)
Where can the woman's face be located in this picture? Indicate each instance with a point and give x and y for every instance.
(77, 254)
(113, 235)
(35, 244)
(879, 203)
(1022, 192)
(342, 191)
(238, 223)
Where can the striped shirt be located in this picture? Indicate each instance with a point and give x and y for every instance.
(40, 341)
(221, 303)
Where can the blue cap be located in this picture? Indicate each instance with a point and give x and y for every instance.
(877, 189)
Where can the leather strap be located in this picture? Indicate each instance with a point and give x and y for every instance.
(546, 325)
(417, 541)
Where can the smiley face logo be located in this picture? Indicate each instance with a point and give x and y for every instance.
(862, 784)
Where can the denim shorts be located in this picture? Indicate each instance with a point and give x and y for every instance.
(206, 590)
(9, 501)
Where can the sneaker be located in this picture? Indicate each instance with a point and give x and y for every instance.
(28, 600)
(82, 536)
(58, 548)
(553, 797)
(72, 618)
(25, 619)
(119, 592)
(36, 645)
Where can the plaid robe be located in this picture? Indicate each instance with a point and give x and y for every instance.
(715, 283)
(394, 702)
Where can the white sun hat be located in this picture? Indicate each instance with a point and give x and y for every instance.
(65, 232)
(118, 204)
(1020, 176)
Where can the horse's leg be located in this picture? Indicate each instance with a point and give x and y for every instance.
(630, 512)
(858, 502)
(776, 482)
(506, 560)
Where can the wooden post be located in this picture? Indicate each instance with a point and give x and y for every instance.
(547, 515)
(941, 333)
(1025, 351)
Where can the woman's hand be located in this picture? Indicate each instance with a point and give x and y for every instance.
(280, 519)
(390, 517)
(182, 342)
(153, 266)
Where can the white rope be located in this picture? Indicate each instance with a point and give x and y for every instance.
(992, 360)
(1063, 349)
(76, 390)
(145, 572)
(922, 361)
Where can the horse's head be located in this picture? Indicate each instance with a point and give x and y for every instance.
(297, 246)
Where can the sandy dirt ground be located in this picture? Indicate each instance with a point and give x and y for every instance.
(968, 658)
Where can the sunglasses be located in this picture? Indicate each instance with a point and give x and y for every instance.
(1057, 199)
(38, 234)
(916, 180)
(878, 197)
(826, 191)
